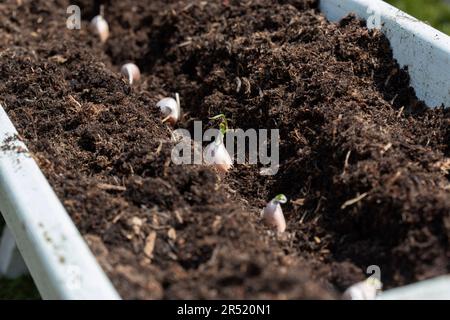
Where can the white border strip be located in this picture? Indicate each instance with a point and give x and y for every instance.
(423, 49)
(56, 254)
(58, 259)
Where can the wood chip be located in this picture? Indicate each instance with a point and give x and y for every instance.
(179, 217)
(110, 187)
(353, 201)
(58, 59)
(172, 234)
(444, 166)
(117, 218)
(150, 244)
(400, 112)
(298, 202)
(217, 223)
(386, 148)
(136, 224)
(347, 158)
(75, 102)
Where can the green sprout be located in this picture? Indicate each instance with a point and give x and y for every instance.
(272, 214)
(223, 126)
(280, 198)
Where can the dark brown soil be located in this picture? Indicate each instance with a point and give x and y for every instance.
(350, 128)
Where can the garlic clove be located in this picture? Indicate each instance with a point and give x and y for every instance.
(170, 109)
(100, 28)
(131, 71)
(217, 155)
(364, 290)
(273, 216)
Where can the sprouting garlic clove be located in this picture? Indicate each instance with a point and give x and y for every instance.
(170, 108)
(217, 155)
(131, 71)
(100, 27)
(273, 214)
(364, 290)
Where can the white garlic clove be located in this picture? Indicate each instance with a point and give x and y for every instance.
(131, 71)
(100, 28)
(364, 290)
(170, 109)
(217, 155)
(273, 216)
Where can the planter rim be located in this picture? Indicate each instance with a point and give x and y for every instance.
(59, 260)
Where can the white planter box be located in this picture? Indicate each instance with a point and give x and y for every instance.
(57, 256)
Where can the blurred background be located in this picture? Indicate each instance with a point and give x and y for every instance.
(434, 12)
(22, 288)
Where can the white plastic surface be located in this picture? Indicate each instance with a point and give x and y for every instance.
(433, 289)
(59, 260)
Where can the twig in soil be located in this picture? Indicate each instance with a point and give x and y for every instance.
(150, 244)
(394, 178)
(77, 104)
(172, 234)
(347, 157)
(400, 112)
(238, 84)
(154, 227)
(166, 166)
(319, 204)
(110, 187)
(393, 99)
(187, 7)
(386, 148)
(117, 218)
(185, 44)
(303, 217)
(353, 201)
(444, 166)
(158, 150)
(298, 202)
(393, 73)
(178, 217)
(131, 168)
(273, 214)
